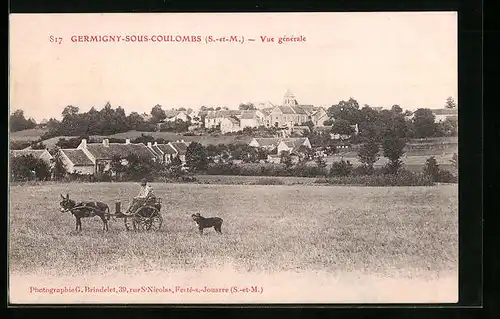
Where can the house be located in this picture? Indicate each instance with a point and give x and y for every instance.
(101, 154)
(292, 144)
(198, 118)
(443, 114)
(214, 118)
(44, 155)
(230, 124)
(251, 118)
(299, 129)
(334, 136)
(292, 113)
(174, 115)
(319, 116)
(280, 144)
(180, 148)
(76, 161)
(268, 143)
(165, 152)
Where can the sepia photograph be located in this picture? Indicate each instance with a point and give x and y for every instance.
(233, 158)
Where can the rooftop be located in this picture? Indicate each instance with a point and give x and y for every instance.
(77, 157)
(117, 149)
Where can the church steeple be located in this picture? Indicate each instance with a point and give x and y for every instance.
(289, 99)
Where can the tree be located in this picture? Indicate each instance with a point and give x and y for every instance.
(328, 122)
(38, 145)
(342, 127)
(450, 103)
(431, 169)
(392, 122)
(305, 153)
(28, 167)
(342, 168)
(424, 123)
(396, 109)
(157, 114)
(393, 149)
(144, 138)
(286, 159)
(117, 166)
(246, 106)
(321, 163)
(18, 122)
(59, 169)
(196, 157)
(177, 126)
(70, 110)
(448, 127)
(368, 154)
(346, 110)
(134, 120)
(310, 125)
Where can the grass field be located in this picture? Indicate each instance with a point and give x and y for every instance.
(270, 228)
(27, 135)
(303, 243)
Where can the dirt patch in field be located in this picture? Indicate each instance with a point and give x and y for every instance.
(226, 285)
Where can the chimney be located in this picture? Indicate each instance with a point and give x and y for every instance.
(149, 144)
(182, 141)
(127, 141)
(105, 142)
(84, 143)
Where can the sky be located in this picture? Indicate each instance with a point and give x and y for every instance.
(380, 59)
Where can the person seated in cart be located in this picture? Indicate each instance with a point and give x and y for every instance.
(145, 194)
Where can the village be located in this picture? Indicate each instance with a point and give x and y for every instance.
(292, 124)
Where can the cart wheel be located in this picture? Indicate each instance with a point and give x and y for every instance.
(147, 218)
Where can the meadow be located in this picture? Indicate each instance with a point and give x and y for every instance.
(391, 231)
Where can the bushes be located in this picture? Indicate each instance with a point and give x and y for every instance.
(402, 178)
(432, 170)
(27, 167)
(308, 171)
(342, 168)
(447, 177)
(268, 181)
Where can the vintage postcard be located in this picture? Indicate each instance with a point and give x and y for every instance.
(233, 158)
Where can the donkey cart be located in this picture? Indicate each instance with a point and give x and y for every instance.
(145, 218)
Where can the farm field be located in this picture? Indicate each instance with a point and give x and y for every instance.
(414, 163)
(27, 135)
(355, 242)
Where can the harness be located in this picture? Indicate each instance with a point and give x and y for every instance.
(92, 205)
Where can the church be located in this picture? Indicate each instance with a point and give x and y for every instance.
(291, 113)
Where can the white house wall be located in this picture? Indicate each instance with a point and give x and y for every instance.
(85, 170)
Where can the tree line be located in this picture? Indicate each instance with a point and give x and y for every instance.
(343, 116)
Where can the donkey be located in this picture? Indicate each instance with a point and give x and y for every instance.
(85, 209)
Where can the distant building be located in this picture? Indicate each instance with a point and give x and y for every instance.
(101, 154)
(292, 144)
(165, 153)
(278, 145)
(76, 161)
(229, 124)
(174, 115)
(443, 114)
(292, 113)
